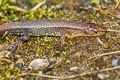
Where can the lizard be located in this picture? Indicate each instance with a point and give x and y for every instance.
(60, 28)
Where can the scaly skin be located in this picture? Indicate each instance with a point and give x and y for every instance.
(52, 28)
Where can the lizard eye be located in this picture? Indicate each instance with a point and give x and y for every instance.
(95, 31)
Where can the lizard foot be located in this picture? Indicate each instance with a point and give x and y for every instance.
(12, 48)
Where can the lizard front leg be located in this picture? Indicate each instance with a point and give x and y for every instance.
(64, 35)
(17, 44)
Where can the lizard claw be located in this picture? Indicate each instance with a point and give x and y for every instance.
(63, 43)
(12, 48)
(16, 46)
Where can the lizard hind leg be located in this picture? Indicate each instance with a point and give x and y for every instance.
(17, 44)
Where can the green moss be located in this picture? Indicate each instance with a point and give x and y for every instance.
(106, 46)
(1, 14)
(12, 1)
(118, 16)
(68, 61)
(4, 7)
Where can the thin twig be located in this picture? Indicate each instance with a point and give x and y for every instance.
(105, 54)
(38, 5)
(68, 77)
(98, 39)
(6, 60)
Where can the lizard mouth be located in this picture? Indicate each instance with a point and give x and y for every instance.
(102, 32)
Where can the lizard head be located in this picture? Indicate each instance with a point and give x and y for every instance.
(94, 30)
(89, 30)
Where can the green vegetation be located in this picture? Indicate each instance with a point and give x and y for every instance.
(77, 51)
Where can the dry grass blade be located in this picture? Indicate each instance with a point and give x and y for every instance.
(113, 30)
(117, 4)
(38, 5)
(33, 9)
(17, 8)
(105, 54)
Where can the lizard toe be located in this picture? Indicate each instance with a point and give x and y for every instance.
(12, 48)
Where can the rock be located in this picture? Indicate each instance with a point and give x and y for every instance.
(74, 69)
(37, 64)
(102, 76)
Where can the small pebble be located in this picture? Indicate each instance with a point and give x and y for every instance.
(102, 76)
(56, 79)
(116, 62)
(19, 63)
(40, 72)
(52, 60)
(73, 69)
(37, 64)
